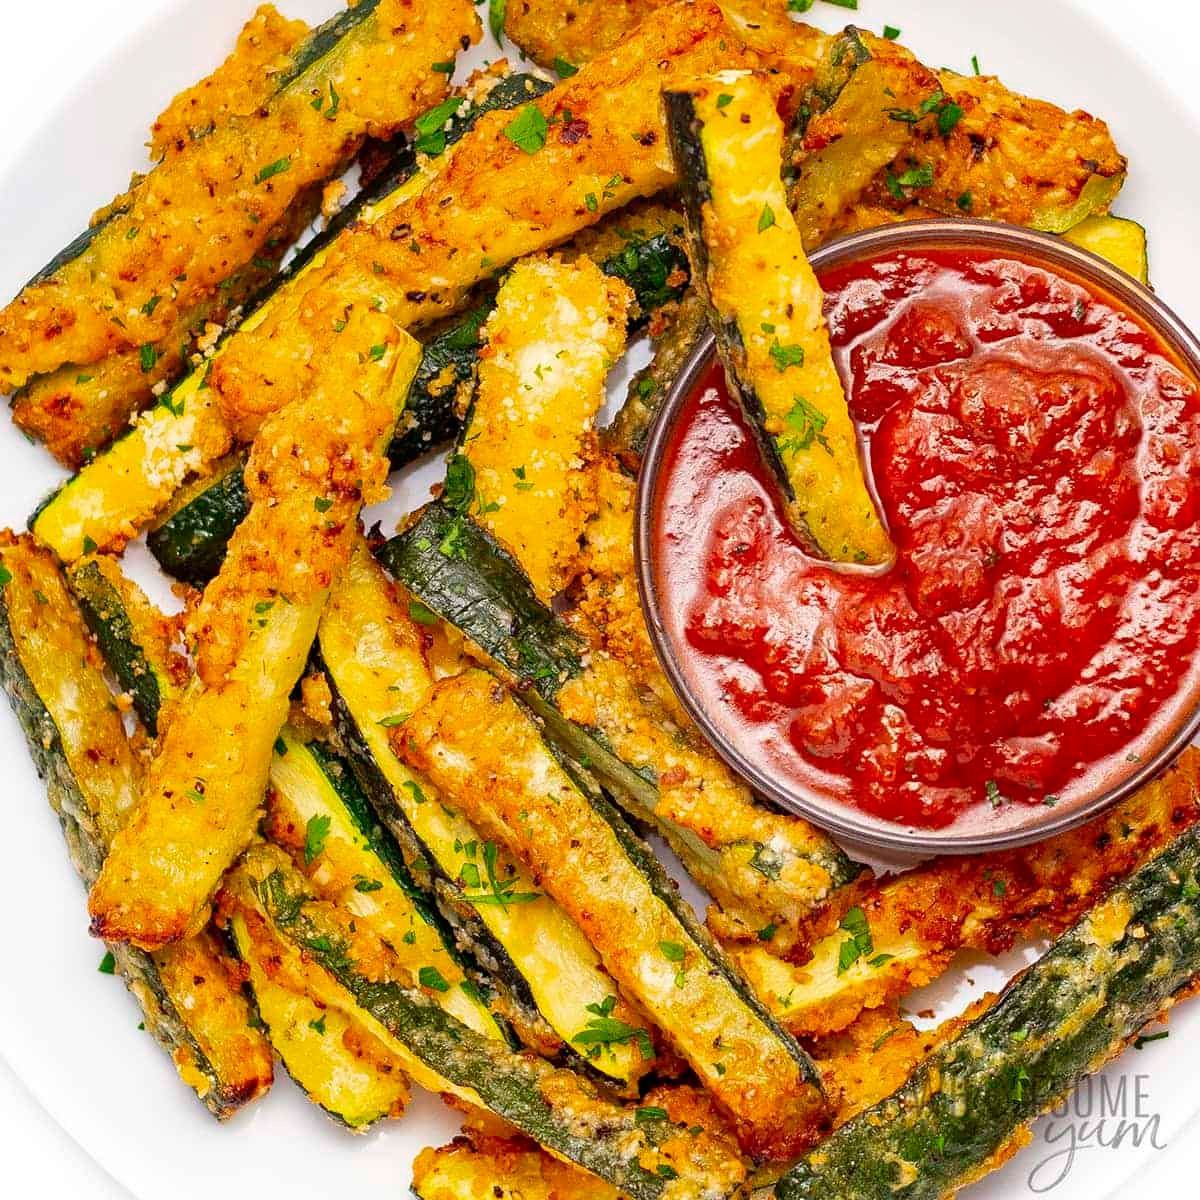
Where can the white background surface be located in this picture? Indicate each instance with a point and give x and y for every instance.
(48, 48)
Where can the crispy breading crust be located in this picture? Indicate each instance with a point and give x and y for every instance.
(76, 411)
(236, 88)
(207, 210)
(472, 740)
(984, 902)
(312, 467)
(491, 202)
(556, 329)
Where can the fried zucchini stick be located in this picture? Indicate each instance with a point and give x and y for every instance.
(192, 1002)
(207, 210)
(915, 922)
(515, 185)
(311, 469)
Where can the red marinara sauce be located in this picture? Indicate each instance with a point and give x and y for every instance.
(1035, 451)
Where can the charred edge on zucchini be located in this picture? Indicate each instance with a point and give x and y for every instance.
(463, 575)
(1073, 1010)
(643, 1158)
(83, 822)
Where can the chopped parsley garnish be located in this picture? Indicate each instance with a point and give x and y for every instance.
(363, 884)
(564, 69)
(496, 11)
(394, 720)
(271, 169)
(975, 64)
(89, 545)
(786, 356)
(1147, 1038)
(108, 964)
(994, 795)
(527, 130)
(414, 790)
(150, 305)
(948, 117)
(322, 504)
(430, 127)
(318, 1026)
(766, 218)
(649, 1113)
(891, 32)
(999, 887)
(459, 488)
(376, 352)
(724, 100)
(422, 615)
(965, 201)
(917, 177)
(805, 424)
(605, 1030)
(859, 945)
(315, 833)
(147, 357)
(672, 951)
(502, 892)
(431, 977)
(443, 68)
(590, 202)
(767, 932)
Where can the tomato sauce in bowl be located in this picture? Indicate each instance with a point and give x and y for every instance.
(1034, 448)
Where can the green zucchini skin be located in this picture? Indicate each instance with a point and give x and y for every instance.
(684, 130)
(106, 616)
(460, 572)
(1073, 1010)
(190, 544)
(86, 850)
(514, 1086)
(465, 930)
(456, 568)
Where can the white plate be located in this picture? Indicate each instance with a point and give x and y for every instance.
(70, 1033)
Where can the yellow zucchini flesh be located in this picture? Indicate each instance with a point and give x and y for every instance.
(556, 329)
(316, 809)
(475, 741)
(766, 310)
(327, 1049)
(370, 647)
(1118, 240)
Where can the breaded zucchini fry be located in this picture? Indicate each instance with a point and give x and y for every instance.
(309, 472)
(207, 210)
(186, 434)
(373, 651)
(77, 411)
(241, 84)
(766, 309)
(650, 1158)
(555, 331)
(986, 902)
(326, 1048)
(763, 866)
(473, 740)
(316, 811)
(972, 1100)
(192, 1004)
(641, 247)
(514, 186)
